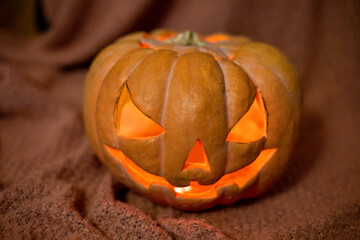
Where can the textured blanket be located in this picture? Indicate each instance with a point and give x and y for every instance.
(52, 186)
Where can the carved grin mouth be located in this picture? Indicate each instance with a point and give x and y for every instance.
(194, 190)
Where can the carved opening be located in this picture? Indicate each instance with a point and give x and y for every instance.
(252, 126)
(197, 158)
(194, 190)
(131, 122)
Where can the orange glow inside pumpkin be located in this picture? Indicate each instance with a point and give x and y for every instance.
(252, 126)
(163, 37)
(197, 158)
(194, 190)
(216, 38)
(231, 57)
(131, 122)
(144, 45)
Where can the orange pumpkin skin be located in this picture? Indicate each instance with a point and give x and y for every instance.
(192, 121)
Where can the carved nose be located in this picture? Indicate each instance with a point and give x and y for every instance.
(197, 158)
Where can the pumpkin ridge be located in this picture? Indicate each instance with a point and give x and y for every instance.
(141, 84)
(215, 48)
(125, 82)
(147, 83)
(226, 97)
(265, 68)
(266, 65)
(228, 68)
(110, 79)
(196, 83)
(222, 64)
(163, 115)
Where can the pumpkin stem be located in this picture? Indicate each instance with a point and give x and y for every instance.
(187, 38)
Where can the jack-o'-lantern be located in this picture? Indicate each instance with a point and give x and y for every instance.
(192, 121)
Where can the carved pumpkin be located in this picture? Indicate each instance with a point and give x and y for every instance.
(192, 121)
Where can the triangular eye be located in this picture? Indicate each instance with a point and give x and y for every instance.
(252, 126)
(131, 122)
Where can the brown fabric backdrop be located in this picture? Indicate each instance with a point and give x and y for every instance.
(52, 185)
